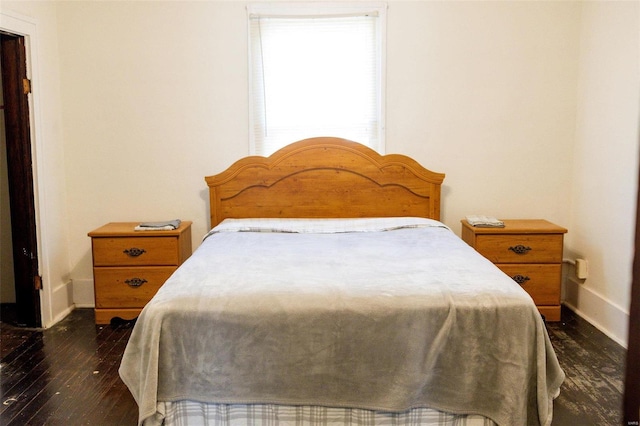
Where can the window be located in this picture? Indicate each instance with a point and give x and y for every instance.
(316, 69)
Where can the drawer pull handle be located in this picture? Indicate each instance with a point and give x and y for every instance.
(135, 282)
(520, 279)
(134, 252)
(520, 249)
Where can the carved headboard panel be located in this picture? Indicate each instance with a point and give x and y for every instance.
(324, 178)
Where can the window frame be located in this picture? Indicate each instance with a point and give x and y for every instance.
(320, 9)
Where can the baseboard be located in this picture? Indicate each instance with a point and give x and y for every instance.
(603, 314)
(61, 304)
(61, 315)
(83, 296)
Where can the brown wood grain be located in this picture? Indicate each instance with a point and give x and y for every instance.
(324, 178)
(540, 261)
(541, 283)
(124, 283)
(117, 287)
(540, 248)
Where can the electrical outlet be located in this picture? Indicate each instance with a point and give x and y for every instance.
(582, 269)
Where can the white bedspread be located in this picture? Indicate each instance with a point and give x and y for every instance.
(337, 318)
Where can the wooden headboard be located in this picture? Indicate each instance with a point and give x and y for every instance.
(324, 178)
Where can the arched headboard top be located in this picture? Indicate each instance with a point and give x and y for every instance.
(324, 177)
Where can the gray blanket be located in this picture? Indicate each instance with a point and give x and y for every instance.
(391, 320)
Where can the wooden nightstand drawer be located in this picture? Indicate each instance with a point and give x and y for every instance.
(130, 266)
(121, 251)
(541, 281)
(529, 251)
(546, 248)
(128, 287)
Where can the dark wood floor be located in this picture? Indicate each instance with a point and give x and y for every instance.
(591, 395)
(67, 375)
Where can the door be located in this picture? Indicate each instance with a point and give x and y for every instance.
(20, 173)
(632, 380)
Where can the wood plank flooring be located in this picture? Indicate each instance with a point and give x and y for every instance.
(592, 392)
(67, 375)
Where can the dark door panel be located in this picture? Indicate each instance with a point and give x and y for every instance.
(20, 172)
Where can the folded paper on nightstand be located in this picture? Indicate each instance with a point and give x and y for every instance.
(484, 221)
(168, 225)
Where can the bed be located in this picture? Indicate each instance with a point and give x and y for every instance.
(328, 292)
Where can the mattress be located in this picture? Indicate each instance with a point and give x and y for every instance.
(386, 315)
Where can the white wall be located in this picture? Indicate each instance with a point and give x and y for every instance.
(154, 97)
(605, 163)
(485, 92)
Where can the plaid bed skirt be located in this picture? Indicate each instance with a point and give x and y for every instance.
(189, 413)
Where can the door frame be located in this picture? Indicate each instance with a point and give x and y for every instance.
(20, 176)
(27, 27)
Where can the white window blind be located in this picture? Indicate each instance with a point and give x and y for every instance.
(315, 70)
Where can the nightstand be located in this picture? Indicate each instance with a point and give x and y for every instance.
(530, 252)
(130, 266)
